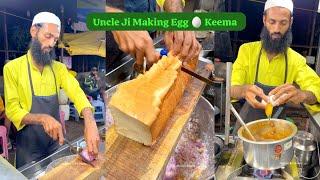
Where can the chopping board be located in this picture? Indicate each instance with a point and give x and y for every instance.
(128, 159)
(76, 169)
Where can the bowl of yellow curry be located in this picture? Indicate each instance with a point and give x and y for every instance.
(272, 147)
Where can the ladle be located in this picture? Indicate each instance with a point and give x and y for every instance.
(242, 122)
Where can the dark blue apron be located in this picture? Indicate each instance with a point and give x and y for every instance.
(249, 113)
(33, 143)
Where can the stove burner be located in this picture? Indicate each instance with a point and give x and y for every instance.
(260, 173)
(248, 171)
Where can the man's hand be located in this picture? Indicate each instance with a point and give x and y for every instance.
(138, 43)
(52, 127)
(183, 43)
(91, 133)
(92, 138)
(290, 93)
(250, 94)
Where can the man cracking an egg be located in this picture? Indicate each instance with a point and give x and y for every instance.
(269, 71)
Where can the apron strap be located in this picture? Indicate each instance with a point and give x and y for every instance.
(29, 73)
(286, 67)
(286, 70)
(55, 81)
(30, 79)
(257, 68)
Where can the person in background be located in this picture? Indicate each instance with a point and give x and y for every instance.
(3, 118)
(31, 86)
(270, 68)
(93, 84)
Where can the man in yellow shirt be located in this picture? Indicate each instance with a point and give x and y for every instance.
(31, 86)
(270, 67)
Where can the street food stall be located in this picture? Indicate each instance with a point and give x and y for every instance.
(190, 147)
(220, 161)
(183, 142)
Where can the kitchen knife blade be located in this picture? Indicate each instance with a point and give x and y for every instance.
(84, 159)
(201, 78)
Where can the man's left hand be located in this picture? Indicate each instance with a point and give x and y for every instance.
(91, 136)
(183, 43)
(287, 93)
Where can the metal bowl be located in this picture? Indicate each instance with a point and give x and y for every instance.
(201, 125)
(268, 154)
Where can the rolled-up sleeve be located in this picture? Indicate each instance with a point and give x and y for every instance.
(14, 111)
(240, 67)
(72, 88)
(308, 80)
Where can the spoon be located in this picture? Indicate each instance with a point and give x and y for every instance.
(242, 122)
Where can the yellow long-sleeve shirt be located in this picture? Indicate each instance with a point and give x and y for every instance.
(272, 72)
(17, 90)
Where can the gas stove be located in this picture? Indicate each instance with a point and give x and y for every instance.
(247, 172)
(231, 166)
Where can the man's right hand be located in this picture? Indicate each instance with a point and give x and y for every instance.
(52, 127)
(250, 94)
(137, 43)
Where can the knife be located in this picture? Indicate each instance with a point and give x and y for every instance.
(201, 78)
(84, 159)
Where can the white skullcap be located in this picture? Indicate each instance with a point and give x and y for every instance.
(46, 17)
(288, 4)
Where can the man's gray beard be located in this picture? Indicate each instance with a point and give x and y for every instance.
(41, 57)
(278, 45)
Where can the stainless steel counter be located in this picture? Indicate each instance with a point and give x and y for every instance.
(8, 172)
(34, 170)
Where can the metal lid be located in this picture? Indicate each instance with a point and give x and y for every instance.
(304, 148)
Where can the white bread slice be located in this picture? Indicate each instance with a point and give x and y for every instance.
(141, 107)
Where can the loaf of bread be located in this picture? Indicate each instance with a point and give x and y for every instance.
(142, 106)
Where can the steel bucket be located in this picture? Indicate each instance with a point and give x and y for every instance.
(268, 155)
(304, 146)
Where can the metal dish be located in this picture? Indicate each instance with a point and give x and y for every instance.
(200, 127)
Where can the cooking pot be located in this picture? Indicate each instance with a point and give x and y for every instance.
(273, 148)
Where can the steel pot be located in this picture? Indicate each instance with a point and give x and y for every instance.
(272, 154)
(304, 146)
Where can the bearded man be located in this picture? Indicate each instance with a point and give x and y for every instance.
(270, 68)
(31, 86)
